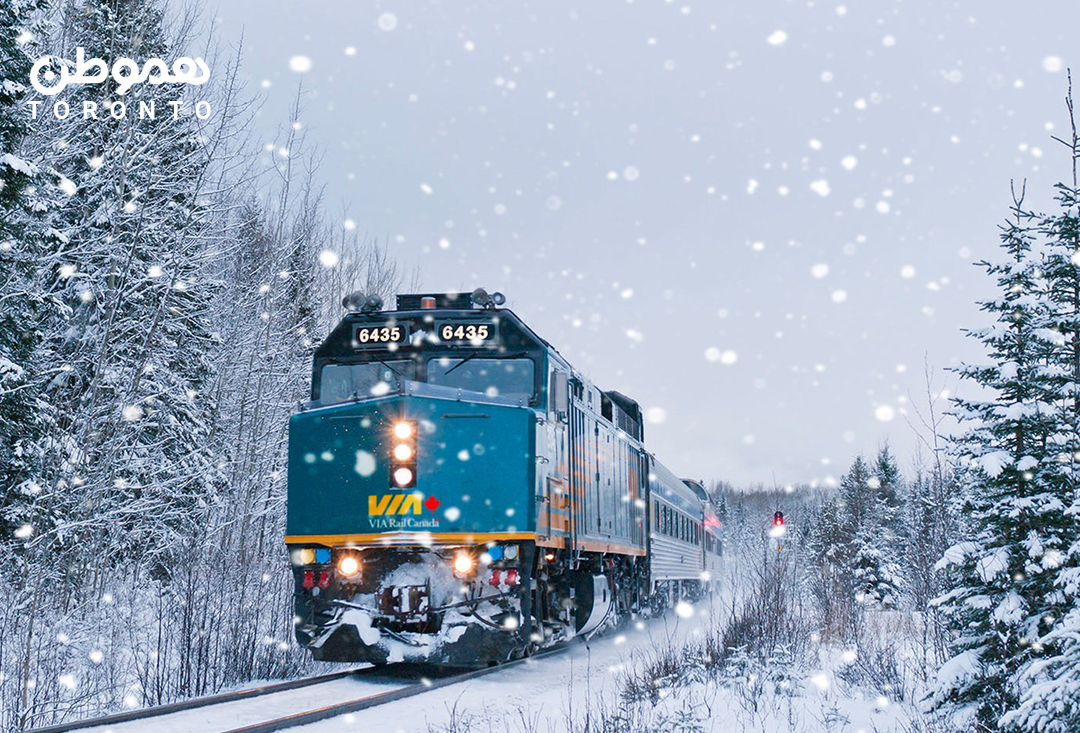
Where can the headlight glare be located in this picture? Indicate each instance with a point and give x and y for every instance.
(348, 565)
(463, 563)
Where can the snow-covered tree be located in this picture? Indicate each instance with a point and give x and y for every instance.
(21, 306)
(1050, 702)
(865, 537)
(1017, 473)
(832, 580)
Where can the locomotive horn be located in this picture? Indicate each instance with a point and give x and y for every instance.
(353, 301)
(372, 304)
(480, 297)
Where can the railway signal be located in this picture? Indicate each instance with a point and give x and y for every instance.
(778, 519)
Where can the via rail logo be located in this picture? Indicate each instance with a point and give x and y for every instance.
(51, 75)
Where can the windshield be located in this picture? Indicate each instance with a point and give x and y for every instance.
(340, 382)
(511, 378)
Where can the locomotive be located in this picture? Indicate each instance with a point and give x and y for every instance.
(459, 494)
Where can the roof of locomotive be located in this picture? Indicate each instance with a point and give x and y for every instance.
(339, 340)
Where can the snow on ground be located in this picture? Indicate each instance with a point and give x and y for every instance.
(549, 693)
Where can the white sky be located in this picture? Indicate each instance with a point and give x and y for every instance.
(644, 181)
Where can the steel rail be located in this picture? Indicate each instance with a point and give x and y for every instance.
(332, 711)
(197, 702)
(296, 719)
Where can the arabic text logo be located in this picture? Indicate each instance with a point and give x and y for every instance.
(125, 72)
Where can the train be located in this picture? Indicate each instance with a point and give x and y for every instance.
(459, 494)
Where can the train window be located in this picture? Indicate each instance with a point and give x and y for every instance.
(559, 395)
(510, 377)
(340, 382)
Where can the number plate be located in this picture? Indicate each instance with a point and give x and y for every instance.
(379, 335)
(476, 333)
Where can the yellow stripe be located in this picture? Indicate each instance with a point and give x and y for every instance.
(406, 538)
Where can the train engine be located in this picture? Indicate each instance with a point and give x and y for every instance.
(458, 494)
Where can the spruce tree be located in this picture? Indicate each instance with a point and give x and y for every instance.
(21, 304)
(1051, 699)
(129, 359)
(1001, 575)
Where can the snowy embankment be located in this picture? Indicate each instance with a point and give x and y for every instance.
(649, 676)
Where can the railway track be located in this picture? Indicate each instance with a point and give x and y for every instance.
(231, 713)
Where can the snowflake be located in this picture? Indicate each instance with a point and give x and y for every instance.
(387, 22)
(300, 64)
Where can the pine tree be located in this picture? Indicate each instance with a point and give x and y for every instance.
(131, 267)
(21, 305)
(1001, 575)
(833, 579)
(884, 527)
(867, 541)
(1051, 701)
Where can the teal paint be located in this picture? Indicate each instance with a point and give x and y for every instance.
(474, 457)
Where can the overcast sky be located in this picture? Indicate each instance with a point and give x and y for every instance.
(757, 219)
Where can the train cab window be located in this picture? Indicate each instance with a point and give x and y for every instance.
(510, 377)
(341, 382)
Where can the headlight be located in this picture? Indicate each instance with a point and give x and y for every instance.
(348, 566)
(403, 430)
(510, 552)
(403, 476)
(463, 563)
(402, 451)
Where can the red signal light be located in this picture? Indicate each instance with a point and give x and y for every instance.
(778, 519)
